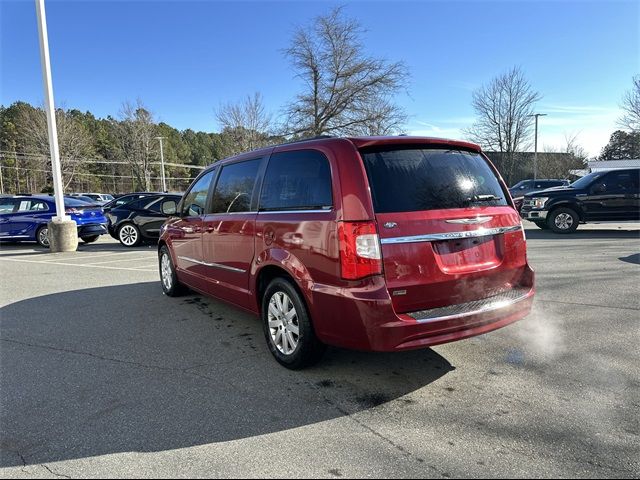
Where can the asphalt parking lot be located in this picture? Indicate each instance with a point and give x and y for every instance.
(103, 376)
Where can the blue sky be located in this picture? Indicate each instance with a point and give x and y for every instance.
(183, 58)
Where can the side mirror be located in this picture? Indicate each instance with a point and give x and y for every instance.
(600, 188)
(169, 208)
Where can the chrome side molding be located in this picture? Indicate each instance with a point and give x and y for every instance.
(436, 237)
(213, 265)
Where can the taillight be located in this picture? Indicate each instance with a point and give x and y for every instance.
(360, 254)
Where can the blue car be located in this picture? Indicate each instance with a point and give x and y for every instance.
(25, 218)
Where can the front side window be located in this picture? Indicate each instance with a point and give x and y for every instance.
(298, 180)
(414, 179)
(195, 201)
(235, 187)
(7, 205)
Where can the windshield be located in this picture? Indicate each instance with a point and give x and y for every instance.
(587, 180)
(414, 179)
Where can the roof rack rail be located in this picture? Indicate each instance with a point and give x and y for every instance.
(307, 139)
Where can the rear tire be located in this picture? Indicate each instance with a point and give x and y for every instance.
(563, 220)
(287, 327)
(90, 239)
(42, 236)
(129, 235)
(168, 277)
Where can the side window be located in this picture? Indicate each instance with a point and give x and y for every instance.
(37, 206)
(195, 201)
(622, 182)
(24, 206)
(235, 187)
(154, 206)
(7, 205)
(297, 181)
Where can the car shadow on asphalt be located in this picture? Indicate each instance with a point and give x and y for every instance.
(635, 259)
(583, 234)
(124, 368)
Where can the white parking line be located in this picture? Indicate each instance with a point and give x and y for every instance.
(78, 265)
(122, 260)
(96, 255)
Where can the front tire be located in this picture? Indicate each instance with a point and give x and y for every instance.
(90, 239)
(168, 277)
(287, 327)
(563, 220)
(129, 235)
(42, 236)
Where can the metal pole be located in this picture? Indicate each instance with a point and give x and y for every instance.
(51, 113)
(164, 182)
(1, 181)
(535, 153)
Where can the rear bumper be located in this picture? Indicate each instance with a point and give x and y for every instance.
(92, 229)
(367, 320)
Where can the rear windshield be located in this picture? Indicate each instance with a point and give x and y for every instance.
(411, 179)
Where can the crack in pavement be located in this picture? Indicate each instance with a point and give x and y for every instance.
(372, 430)
(126, 362)
(54, 473)
(538, 299)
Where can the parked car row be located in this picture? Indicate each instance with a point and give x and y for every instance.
(131, 219)
(607, 196)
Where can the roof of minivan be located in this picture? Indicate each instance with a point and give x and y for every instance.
(362, 142)
(358, 142)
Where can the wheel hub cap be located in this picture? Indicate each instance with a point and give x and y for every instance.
(283, 323)
(564, 221)
(128, 235)
(165, 271)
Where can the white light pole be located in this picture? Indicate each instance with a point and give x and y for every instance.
(164, 182)
(535, 153)
(62, 231)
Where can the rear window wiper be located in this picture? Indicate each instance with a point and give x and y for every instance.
(483, 198)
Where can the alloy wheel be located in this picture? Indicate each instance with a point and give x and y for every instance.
(283, 323)
(128, 235)
(563, 221)
(166, 272)
(43, 237)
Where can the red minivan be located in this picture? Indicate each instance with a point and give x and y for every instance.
(369, 243)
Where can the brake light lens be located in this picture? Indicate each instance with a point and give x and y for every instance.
(360, 254)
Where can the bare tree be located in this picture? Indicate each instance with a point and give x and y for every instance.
(135, 131)
(503, 108)
(345, 91)
(631, 107)
(73, 139)
(246, 123)
(557, 162)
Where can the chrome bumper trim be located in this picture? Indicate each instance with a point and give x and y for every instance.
(475, 307)
(436, 237)
(535, 215)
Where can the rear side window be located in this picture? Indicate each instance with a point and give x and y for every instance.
(298, 180)
(622, 182)
(195, 201)
(408, 180)
(234, 189)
